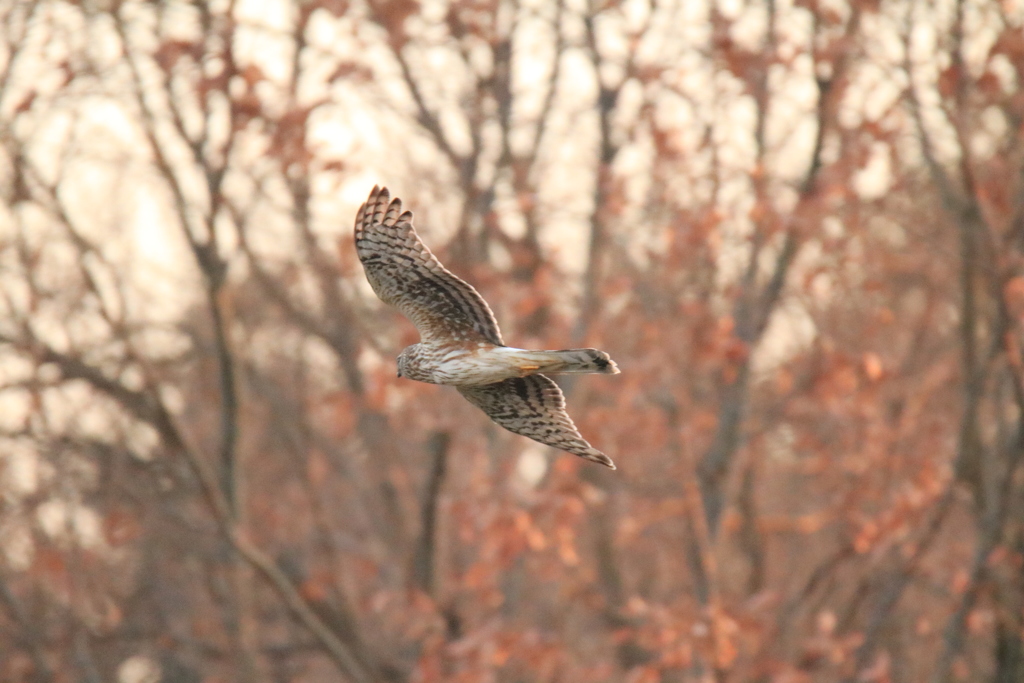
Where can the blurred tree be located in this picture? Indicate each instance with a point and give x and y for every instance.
(798, 227)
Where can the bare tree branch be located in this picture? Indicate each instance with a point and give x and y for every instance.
(424, 556)
(29, 636)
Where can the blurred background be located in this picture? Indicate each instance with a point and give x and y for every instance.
(797, 226)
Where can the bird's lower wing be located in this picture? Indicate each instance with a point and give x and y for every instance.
(533, 407)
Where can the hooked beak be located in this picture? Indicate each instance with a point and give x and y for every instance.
(398, 373)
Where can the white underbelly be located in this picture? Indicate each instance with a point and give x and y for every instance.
(478, 366)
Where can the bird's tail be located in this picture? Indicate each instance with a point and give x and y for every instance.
(568, 361)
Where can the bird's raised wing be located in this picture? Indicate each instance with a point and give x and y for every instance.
(533, 407)
(404, 274)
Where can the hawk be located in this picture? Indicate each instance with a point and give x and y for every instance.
(460, 344)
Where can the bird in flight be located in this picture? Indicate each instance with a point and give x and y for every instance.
(460, 344)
